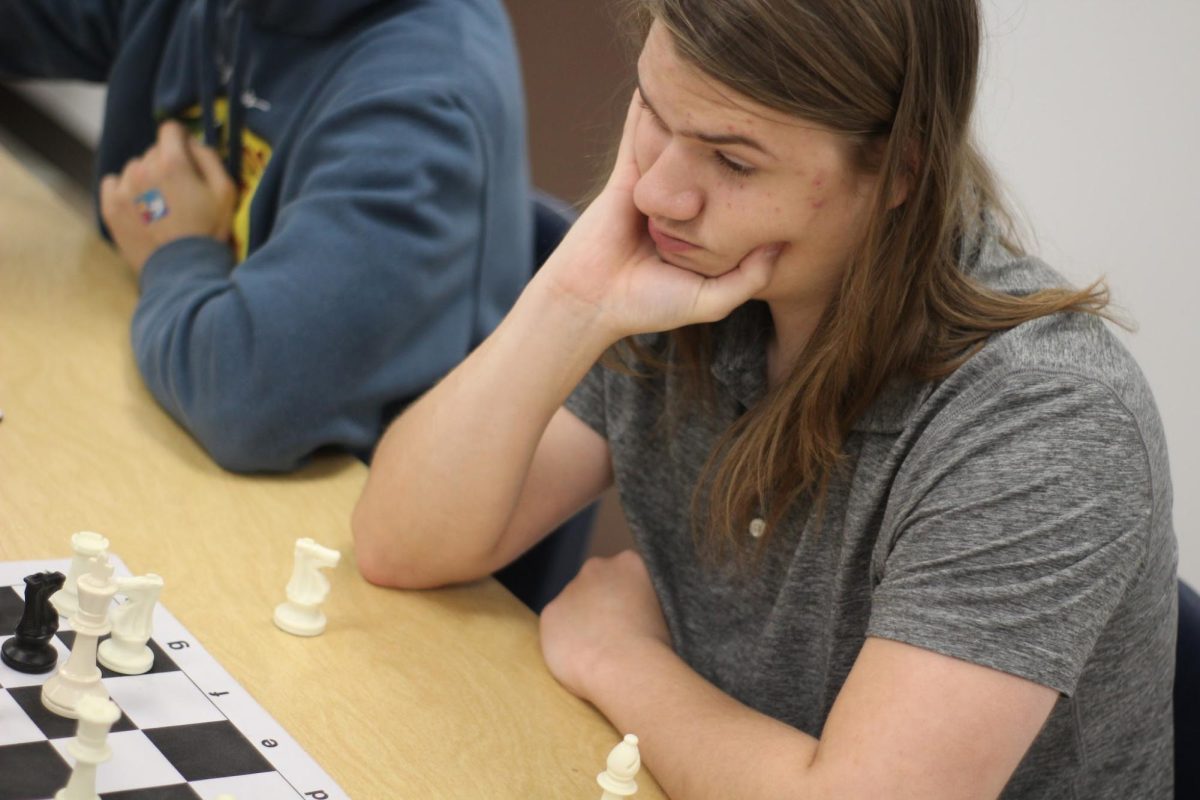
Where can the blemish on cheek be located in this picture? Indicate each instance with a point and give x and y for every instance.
(818, 203)
(818, 182)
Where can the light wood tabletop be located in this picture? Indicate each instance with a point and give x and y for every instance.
(438, 694)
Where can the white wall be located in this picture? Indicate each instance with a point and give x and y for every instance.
(75, 105)
(1090, 111)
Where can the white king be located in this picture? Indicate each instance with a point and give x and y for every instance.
(80, 677)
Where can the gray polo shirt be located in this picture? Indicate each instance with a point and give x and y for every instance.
(1016, 514)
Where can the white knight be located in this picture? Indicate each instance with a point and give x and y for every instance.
(301, 614)
(126, 651)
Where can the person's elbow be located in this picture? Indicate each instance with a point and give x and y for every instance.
(370, 553)
(406, 554)
(247, 416)
(380, 552)
(242, 438)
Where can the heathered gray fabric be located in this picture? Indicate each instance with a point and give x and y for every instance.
(1017, 515)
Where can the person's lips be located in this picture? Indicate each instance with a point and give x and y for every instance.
(667, 243)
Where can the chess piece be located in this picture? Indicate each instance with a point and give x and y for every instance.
(86, 546)
(126, 652)
(30, 649)
(89, 747)
(301, 614)
(80, 677)
(624, 761)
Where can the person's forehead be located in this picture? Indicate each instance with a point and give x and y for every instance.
(671, 80)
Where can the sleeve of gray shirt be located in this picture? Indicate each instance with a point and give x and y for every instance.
(1015, 525)
(587, 400)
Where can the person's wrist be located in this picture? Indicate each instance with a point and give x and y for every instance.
(604, 671)
(586, 322)
(185, 228)
(191, 256)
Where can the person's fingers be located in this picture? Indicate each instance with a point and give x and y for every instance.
(625, 169)
(172, 149)
(632, 116)
(218, 182)
(720, 295)
(133, 176)
(165, 130)
(108, 198)
(211, 168)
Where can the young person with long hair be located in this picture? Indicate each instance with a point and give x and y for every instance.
(901, 500)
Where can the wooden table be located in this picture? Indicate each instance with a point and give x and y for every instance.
(407, 695)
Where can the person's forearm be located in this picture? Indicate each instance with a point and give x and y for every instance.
(700, 742)
(447, 474)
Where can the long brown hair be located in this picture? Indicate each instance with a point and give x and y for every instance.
(897, 78)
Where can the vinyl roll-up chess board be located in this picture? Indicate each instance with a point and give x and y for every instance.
(187, 729)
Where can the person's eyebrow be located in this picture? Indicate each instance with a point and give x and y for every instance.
(708, 138)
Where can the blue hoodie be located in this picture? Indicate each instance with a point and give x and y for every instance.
(384, 227)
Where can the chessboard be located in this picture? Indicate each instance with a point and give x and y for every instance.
(187, 729)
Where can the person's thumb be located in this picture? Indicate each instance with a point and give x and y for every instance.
(720, 295)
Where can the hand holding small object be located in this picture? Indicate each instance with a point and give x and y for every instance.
(176, 189)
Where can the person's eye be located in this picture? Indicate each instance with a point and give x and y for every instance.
(733, 165)
(650, 111)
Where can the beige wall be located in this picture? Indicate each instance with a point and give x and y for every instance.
(578, 69)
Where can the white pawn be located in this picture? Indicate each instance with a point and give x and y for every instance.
(86, 545)
(80, 677)
(623, 764)
(301, 614)
(90, 747)
(126, 652)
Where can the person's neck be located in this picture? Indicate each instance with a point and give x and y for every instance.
(793, 326)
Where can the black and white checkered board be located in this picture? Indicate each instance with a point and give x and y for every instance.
(187, 729)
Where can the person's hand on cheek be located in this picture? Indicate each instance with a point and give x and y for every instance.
(609, 265)
(177, 189)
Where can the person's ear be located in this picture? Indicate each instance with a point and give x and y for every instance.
(873, 163)
(905, 177)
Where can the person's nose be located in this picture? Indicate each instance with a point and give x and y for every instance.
(668, 189)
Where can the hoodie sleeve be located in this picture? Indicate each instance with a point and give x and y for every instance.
(59, 38)
(363, 295)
